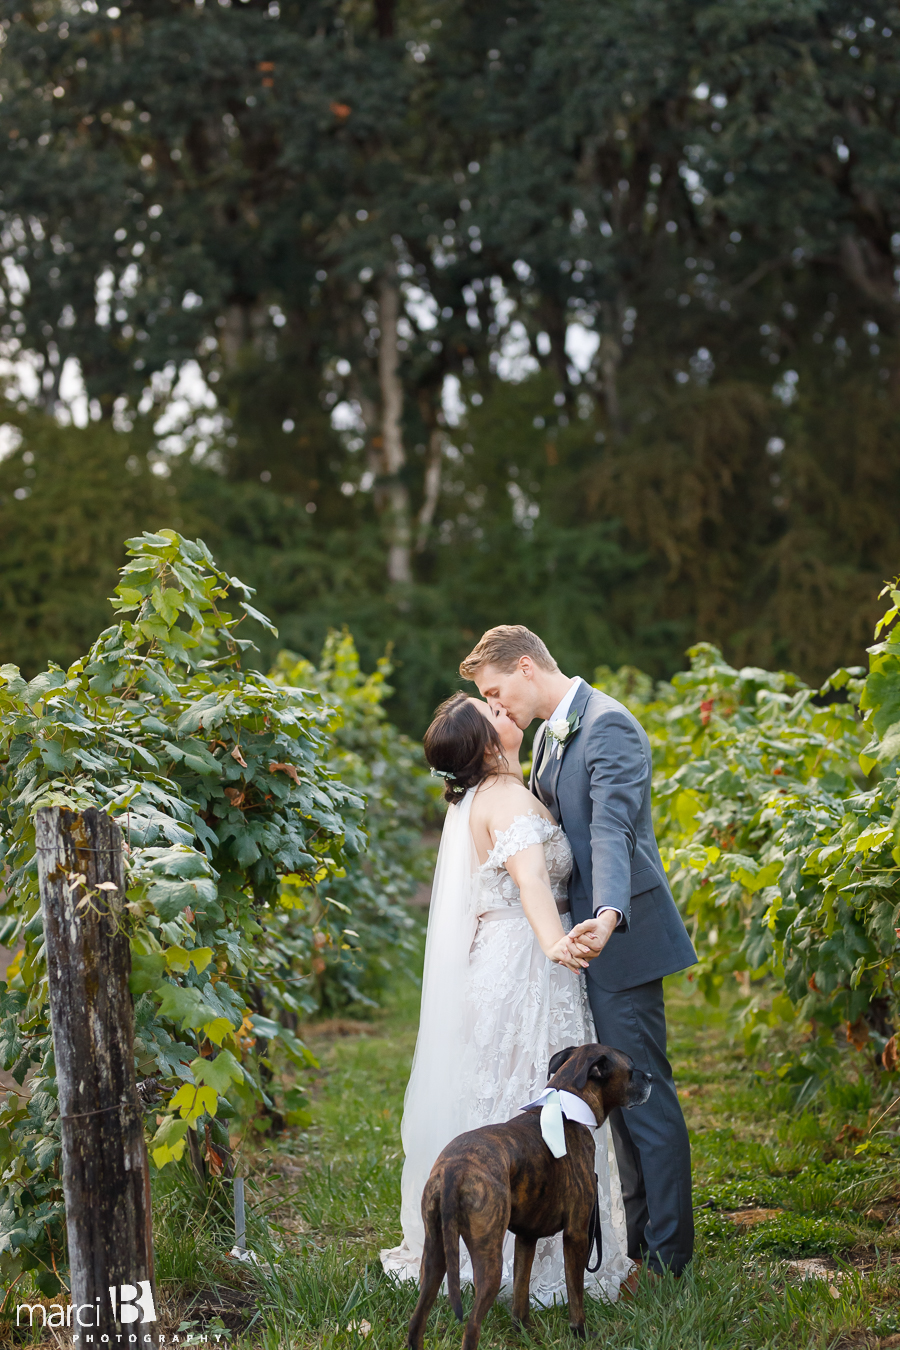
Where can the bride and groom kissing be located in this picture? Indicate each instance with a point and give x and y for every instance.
(551, 924)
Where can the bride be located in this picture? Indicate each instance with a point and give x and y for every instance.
(502, 988)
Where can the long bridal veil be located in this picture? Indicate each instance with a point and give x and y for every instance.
(433, 1108)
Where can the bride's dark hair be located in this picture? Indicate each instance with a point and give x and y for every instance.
(457, 744)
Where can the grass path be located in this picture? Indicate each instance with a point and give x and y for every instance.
(778, 1191)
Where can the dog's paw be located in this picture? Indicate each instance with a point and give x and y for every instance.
(578, 1331)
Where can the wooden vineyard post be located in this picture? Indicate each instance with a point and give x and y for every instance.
(105, 1173)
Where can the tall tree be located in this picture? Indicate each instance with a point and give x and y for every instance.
(337, 206)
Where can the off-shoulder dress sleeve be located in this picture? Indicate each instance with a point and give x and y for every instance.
(524, 831)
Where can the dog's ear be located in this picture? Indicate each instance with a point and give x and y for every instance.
(559, 1060)
(600, 1068)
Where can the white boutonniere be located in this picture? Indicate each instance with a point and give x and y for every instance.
(562, 730)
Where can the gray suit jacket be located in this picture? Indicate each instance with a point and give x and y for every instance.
(599, 791)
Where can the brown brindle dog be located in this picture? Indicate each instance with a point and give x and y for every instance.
(504, 1177)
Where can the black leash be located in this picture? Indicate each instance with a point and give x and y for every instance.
(595, 1233)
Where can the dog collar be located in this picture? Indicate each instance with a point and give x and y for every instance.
(556, 1104)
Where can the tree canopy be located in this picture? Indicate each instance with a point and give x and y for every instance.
(487, 294)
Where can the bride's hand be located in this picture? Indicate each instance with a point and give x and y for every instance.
(591, 936)
(528, 869)
(563, 954)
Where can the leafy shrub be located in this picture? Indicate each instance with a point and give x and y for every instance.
(777, 815)
(388, 770)
(237, 832)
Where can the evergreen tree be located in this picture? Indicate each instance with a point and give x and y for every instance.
(339, 206)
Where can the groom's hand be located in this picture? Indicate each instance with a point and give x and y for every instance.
(589, 938)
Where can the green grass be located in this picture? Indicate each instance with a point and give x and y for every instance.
(324, 1202)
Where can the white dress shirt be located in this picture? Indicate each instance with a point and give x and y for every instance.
(565, 703)
(562, 710)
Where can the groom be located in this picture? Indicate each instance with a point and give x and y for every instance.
(592, 770)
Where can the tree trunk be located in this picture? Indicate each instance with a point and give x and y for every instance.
(871, 271)
(394, 460)
(105, 1174)
(553, 318)
(384, 18)
(610, 357)
(243, 328)
(429, 406)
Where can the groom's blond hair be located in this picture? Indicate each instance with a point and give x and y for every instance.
(502, 647)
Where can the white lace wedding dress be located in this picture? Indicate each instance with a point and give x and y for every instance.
(514, 1011)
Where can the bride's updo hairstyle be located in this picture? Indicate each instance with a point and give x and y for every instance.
(460, 744)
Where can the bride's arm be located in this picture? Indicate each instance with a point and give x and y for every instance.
(528, 869)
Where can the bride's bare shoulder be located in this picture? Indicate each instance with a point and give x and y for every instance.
(499, 803)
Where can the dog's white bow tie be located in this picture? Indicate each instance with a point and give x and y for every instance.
(555, 1104)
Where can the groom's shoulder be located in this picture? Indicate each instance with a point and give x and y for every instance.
(603, 707)
(600, 704)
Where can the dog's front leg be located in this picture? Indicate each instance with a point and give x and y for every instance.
(575, 1252)
(524, 1260)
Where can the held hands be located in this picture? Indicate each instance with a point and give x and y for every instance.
(585, 941)
(589, 938)
(564, 953)
(574, 950)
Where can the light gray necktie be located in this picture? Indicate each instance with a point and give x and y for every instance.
(540, 758)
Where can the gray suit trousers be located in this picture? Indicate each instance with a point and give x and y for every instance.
(651, 1141)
